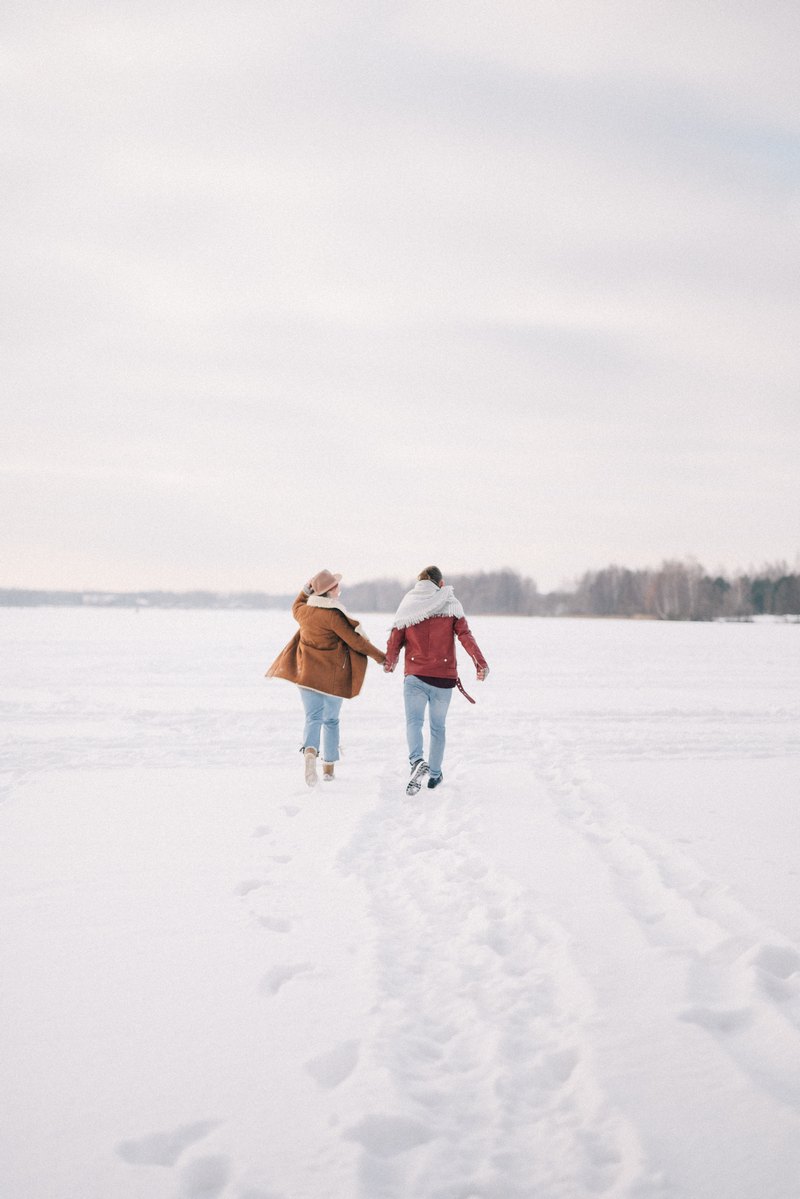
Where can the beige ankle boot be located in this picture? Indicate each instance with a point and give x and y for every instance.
(327, 772)
(310, 756)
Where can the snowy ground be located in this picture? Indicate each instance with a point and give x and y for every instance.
(572, 971)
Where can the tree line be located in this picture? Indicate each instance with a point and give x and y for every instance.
(17, 597)
(685, 591)
(672, 591)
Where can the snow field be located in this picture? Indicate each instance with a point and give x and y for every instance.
(571, 971)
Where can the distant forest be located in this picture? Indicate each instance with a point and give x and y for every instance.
(672, 591)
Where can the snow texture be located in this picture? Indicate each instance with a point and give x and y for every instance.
(571, 971)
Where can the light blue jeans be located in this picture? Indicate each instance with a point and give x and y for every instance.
(322, 716)
(418, 696)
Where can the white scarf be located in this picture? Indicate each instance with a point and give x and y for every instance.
(325, 601)
(424, 600)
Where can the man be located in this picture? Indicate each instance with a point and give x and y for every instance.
(427, 623)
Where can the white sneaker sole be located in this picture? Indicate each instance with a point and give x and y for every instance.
(417, 775)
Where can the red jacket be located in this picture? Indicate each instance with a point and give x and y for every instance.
(431, 647)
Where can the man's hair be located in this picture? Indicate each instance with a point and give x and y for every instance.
(433, 573)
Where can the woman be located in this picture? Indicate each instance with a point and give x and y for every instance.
(327, 659)
(427, 623)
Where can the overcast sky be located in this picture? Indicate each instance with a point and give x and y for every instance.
(369, 285)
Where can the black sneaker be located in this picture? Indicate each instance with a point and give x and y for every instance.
(418, 771)
(434, 781)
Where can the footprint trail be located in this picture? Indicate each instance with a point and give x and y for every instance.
(482, 1027)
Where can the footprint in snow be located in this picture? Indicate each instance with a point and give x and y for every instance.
(291, 809)
(778, 971)
(204, 1178)
(276, 924)
(555, 1069)
(332, 1068)
(263, 830)
(499, 940)
(164, 1148)
(387, 1136)
(278, 976)
(719, 1020)
(248, 885)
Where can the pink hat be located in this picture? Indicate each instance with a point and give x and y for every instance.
(324, 581)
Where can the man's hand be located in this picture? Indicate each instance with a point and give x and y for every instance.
(482, 673)
(387, 668)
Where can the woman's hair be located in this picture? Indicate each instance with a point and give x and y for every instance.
(431, 572)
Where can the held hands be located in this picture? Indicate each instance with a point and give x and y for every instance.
(387, 668)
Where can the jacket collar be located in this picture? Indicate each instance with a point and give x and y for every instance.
(325, 601)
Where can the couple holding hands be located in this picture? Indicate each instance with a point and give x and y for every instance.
(327, 659)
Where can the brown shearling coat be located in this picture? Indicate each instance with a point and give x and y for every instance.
(326, 653)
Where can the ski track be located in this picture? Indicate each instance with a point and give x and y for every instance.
(742, 979)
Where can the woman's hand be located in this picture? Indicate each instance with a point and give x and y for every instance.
(482, 673)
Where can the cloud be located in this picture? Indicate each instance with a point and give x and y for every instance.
(469, 276)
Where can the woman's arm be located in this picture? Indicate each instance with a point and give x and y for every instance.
(397, 639)
(362, 645)
(301, 600)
